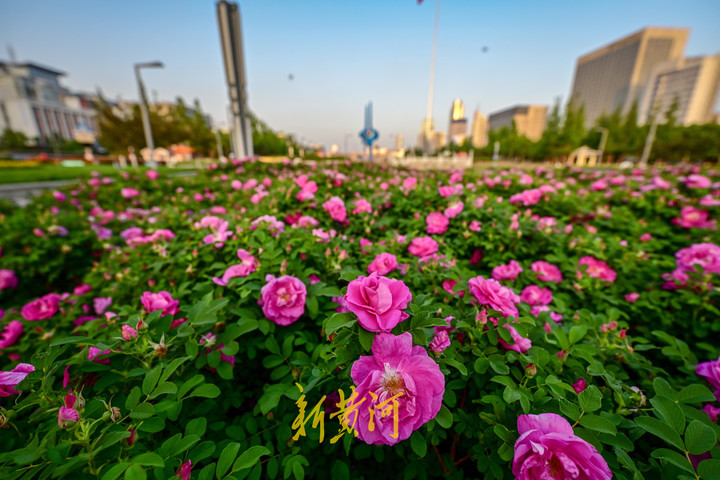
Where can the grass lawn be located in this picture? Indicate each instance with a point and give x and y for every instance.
(42, 173)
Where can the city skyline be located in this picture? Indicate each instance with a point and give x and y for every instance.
(338, 55)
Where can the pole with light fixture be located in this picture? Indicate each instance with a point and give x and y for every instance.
(144, 109)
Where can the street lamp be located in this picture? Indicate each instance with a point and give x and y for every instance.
(603, 140)
(144, 109)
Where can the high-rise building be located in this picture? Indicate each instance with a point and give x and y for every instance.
(614, 77)
(399, 141)
(479, 130)
(457, 131)
(436, 139)
(33, 102)
(691, 82)
(529, 120)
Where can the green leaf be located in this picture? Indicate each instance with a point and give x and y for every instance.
(670, 412)
(562, 338)
(498, 364)
(151, 379)
(695, 393)
(115, 471)
(444, 417)
(459, 366)
(590, 399)
(196, 426)
(340, 470)
(598, 424)
(699, 438)
(164, 389)
(148, 459)
(709, 469)
(675, 458)
(207, 390)
(271, 397)
(226, 459)
(418, 444)
(503, 433)
(135, 472)
(188, 385)
(171, 367)
(250, 457)
(72, 339)
(338, 321)
(577, 332)
(660, 429)
(133, 398)
(366, 339)
(142, 411)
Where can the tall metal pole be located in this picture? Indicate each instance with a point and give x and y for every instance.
(603, 140)
(428, 120)
(144, 111)
(648, 143)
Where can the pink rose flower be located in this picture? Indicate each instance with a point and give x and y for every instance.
(490, 293)
(101, 304)
(42, 308)
(704, 255)
(711, 371)
(597, 269)
(95, 353)
(579, 386)
(249, 264)
(697, 181)
(691, 217)
(11, 332)
(283, 299)
(378, 302)
(128, 332)
(396, 368)
(548, 448)
(336, 208)
(68, 415)
(446, 191)
(440, 341)
(632, 297)
(712, 412)
(520, 345)
(8, 279)
(454, 209)
(409, 183)
(152, 174)
(507, 272)
(383, 264)
(362, 206)
(8, 380)
(436, 223)
(160, 301)
(534, 295)
(185, 470)
(423, 246)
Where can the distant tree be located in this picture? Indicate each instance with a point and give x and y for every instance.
(13, 140)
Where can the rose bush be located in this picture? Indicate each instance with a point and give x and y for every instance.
(157, 327)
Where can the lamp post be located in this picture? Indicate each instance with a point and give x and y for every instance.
(345, 144)
(603, 140)
(144, 109)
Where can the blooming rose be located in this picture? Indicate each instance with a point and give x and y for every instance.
(95, 353)
(378, 302)
(711, 371)
(534, 295)
(436, 223)
(597, 269)
(8, 380)
(632, 297)
(546, 272)
(7, 279)
(704, 255)
(128, 332)
(548, 449)
(691, 217)
(68, 415)
(10, 334)
(520, 343)
(454, 209)
(336, 208)
(101, 304)
(160, 301)
(697, 181)
(507, 272)
(423, 246)
(383, 264)
(249, 264)
(396, 367)
(283, 299)
(362, 206)
(490, 293)
(42, 308)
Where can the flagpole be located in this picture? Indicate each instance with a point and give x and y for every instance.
(428, 122)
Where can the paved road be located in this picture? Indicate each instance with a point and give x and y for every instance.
(23, 193)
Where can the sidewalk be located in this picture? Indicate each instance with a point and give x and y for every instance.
(22, 193)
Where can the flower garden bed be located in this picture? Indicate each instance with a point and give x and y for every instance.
(358, 321)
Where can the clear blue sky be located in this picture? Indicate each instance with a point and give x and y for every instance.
(342, 53)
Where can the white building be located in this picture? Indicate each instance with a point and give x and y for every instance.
(694, 82)
(479, 130)
(33, 102)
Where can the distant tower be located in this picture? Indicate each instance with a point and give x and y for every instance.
(479, 130)
(457, 133)
(399, 141)
(369, 134)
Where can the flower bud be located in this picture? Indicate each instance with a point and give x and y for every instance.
(531, 370)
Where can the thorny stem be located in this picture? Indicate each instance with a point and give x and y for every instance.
(445, 470)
